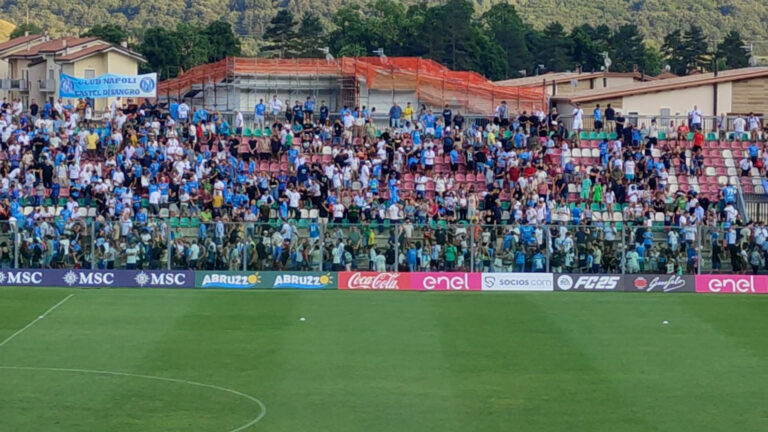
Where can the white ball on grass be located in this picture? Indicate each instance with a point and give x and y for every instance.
(302, 319)
(41, 316)
(665, 322)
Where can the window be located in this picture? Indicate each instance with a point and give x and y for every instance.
(50, 74)
(89, 73)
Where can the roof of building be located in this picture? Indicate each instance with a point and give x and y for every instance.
(52, 46)
(559, 77)
(97, 49)
(15, 42)
(666, 84)
(666, 75)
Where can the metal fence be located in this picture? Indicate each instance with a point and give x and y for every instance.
(309, 245)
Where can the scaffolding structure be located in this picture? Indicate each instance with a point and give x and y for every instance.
(379, 78)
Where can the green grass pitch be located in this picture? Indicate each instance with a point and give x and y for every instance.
(381, 361)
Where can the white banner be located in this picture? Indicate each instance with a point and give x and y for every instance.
(518, 282)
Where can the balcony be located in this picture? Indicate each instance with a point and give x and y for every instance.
(13, 84)
(47, 86)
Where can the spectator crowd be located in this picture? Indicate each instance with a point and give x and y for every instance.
(294, 186)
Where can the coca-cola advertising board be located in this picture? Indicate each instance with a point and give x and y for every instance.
(447, 281)
(374, 281)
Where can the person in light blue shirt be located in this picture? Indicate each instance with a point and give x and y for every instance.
(174, 110)
(598, 118)
(729, 194)
(754, 151)
(576, 215)
(394, 116)
(309, 109)
(258, 114)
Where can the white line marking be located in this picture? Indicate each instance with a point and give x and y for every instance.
(255, 420)
(9, 338)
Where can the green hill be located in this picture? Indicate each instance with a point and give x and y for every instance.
(249, 17)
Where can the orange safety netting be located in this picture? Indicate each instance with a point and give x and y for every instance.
(432, 83)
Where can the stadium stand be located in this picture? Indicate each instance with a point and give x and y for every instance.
(183, 187)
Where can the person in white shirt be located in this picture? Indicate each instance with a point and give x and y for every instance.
(275, 107)
(695, 118)
(578, 120)
(754, 126)
(746, 167)
(739, 124)
(629, 169)
(113, 107)
(239, 122)
(183, 112)
(338, 212)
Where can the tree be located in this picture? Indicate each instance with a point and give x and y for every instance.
(686, 51)
(507, 29)
(674, 54)
(732, 51)
(160, 47)
(459, 43)
(111, 33)
(32, 28)
(551, 48)
(628, 51)
(585, 50)
(695, 48)
(311, 35)
(351, 34)
(193, 45)
(281, 35)
(222, 41)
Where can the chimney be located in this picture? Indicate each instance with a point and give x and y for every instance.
(124, 44)
(26, 33)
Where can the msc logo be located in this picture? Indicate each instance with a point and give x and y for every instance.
(88, 278)
(160, 279)
(21, 278)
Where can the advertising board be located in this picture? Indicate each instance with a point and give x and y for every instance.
(518, 282)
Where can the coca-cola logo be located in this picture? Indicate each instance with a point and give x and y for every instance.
(373, 281)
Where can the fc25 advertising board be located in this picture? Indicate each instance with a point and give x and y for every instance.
(587, 282)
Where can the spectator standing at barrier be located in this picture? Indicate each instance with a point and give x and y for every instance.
(395, 114)
(578, 122)
(610, 118)
(323, 113)
(598, 115)
(275, 108)
(258, 114)
(754, 126)
(696, 118)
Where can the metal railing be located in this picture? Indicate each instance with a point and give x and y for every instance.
(311, 245)
(13, 84)
(708, 123)
(46, 85)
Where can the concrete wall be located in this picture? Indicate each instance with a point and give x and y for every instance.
(679, 102)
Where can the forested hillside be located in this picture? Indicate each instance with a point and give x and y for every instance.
(251, 17)
(501, 41)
